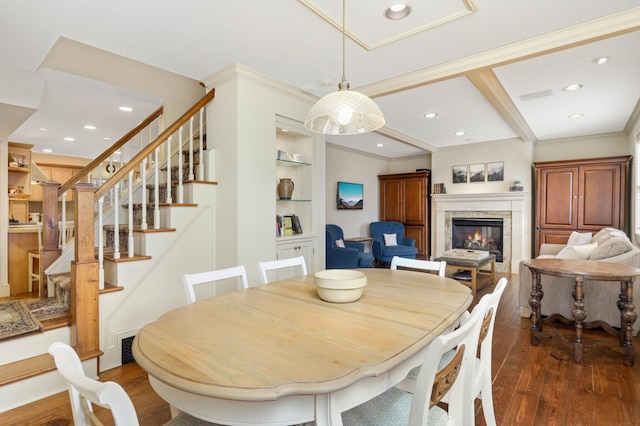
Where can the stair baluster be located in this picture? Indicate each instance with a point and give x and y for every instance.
(180, 172)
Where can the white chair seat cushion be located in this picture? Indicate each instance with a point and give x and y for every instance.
(389, 408)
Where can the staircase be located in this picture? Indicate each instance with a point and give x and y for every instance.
(138, 279)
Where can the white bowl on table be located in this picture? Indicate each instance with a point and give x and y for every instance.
(340, 285)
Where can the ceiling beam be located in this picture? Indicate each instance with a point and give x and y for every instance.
(488, 84)
(585, 33)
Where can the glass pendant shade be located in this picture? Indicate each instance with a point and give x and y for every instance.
(344, 112)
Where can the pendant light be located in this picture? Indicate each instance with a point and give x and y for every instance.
(345, 112)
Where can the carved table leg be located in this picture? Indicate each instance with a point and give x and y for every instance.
(627, 318)
(579, 315)
(535, 302)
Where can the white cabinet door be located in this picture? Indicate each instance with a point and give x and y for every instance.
(297, 248)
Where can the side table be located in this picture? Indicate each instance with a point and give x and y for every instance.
(581, 270)
(366, 240)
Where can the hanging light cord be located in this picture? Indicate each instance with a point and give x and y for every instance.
(343, 84)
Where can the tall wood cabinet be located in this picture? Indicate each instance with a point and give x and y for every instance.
(404, 198)
(580, 195)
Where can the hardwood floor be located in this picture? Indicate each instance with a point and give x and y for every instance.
(532, 385)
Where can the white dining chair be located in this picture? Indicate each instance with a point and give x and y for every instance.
(425, 265)
(398, 407)
(293, 262)
(84, 392)
(482, 386)
(65, 236)
(481, 378)
(190, 281)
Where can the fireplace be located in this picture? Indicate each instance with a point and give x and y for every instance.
(512, 207)
(478, 234)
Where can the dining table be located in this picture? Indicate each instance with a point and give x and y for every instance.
(277, 354)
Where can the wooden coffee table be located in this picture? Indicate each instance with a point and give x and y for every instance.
(472, 265)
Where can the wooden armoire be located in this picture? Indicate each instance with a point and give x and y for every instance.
(404, 198)
(580, 195)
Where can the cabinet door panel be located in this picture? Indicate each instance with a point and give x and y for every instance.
(599, 198)
(552, 237)
(419, 234)
(392, 201)
(557, 201)
(415, 200)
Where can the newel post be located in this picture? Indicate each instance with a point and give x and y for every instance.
(84, 274)
(50, 249)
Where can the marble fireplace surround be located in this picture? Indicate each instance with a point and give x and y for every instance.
(512, 207)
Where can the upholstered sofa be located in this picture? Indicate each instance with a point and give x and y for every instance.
(600, 297)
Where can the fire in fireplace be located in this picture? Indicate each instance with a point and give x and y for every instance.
(478, 234)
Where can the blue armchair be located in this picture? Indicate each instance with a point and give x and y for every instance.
(383, 251)
(351, 256)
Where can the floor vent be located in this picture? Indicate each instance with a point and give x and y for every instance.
(127, 354)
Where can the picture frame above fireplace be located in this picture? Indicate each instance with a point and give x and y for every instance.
(460, 174)
(495, 171)
(476, 172)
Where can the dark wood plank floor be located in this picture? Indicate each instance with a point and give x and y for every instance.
(532, 385)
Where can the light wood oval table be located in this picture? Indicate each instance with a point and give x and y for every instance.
(277, 354)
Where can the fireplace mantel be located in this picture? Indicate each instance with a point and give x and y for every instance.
(516, 203)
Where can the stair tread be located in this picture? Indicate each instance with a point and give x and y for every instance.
(136, 228)
(109, 256)
(33, 366)
(110, 288)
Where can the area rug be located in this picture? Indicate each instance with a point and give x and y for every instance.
(49, 308)
(16, 319)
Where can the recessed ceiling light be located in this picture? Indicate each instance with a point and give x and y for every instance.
(601, 60)
(431, 115)
(46, 150)
(380, 145)
(89, 127)
(125, 109)
(397, 11)
(326, 82)
(460, 133)
(576, 115)
(284, 130)
(43, 129)
(117, 152)
(572, 87)
(68, 139)
(106, 138)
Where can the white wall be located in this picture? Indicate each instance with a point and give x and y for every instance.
(345, 165)
(516, 155)
(608, 145)
(241, 125)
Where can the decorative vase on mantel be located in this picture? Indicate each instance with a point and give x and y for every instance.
(285, 188)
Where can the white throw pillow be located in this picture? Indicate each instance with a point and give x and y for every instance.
(340, 243)
(614, 246)
(390, 240)
(579, 239)
(577, 252)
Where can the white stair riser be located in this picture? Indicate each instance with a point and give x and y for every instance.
(41, 386)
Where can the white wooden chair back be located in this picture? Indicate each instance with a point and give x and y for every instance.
(83, 391)
(425, 265)
(66, 231)
(396, 406)
(272, 265)
(192, 280)
(482, 386)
